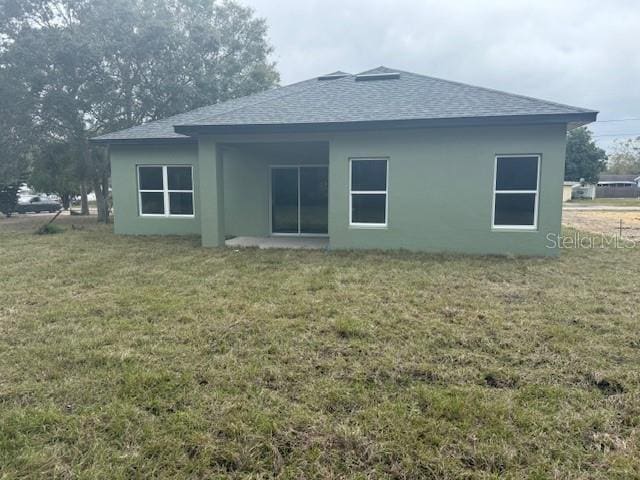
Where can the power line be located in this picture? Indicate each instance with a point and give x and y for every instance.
(618, 135)
(619, 120)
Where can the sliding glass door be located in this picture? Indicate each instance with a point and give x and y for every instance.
(300, 200)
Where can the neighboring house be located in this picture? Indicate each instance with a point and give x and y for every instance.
(619, 180)
(617, 186)
(365, 159)
(567, 190)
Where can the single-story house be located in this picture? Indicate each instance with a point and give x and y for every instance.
(363, 160)
(611, 185)
(622, 181)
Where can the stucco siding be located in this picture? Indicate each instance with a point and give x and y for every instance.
(441, 189)
(124, 179)
(246, 194)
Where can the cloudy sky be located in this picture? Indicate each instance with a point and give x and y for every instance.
(580, 52)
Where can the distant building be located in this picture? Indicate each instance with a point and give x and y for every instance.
(618, 186)
(567, 190)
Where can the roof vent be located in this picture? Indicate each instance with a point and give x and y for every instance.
(377, 76)
(333, 76)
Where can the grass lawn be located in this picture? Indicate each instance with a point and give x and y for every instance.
(607, 202)
(127, 357)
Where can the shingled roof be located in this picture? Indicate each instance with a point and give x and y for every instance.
(377, 98)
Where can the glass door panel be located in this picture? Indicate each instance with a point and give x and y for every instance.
(284, 200)
(314, 200)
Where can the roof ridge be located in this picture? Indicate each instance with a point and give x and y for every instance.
(502, 92)
(311, 86)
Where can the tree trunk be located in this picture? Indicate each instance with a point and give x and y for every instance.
(107, 196)
(66, 201)
(99, 172)
(84, 201)
(101, 186)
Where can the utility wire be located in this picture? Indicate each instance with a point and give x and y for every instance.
(618, 135)
(619, 120)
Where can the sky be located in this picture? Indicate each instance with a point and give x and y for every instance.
(579, 52)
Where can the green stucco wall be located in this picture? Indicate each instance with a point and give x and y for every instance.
(246, 184)
(440, 186)
(124, 160)
(440, 189)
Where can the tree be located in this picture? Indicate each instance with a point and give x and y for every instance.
(8, 198)
(15, 134)
(625, 159)
(584, 158)
(14, 145)
(55, 169)
(93, 66)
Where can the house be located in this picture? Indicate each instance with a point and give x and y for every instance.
(618, 186)
(364, 160)
(567, 190)
(619, 180)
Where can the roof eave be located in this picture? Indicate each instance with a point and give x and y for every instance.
(143, 141)
(572, 120)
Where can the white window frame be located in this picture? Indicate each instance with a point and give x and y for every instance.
(165, 191)
(496, 192)
(369, 192)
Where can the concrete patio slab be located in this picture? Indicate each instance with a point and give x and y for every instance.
(308, 243)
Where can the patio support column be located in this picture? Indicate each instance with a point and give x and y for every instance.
(211, 190)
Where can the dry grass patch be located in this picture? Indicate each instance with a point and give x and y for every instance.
(606, 202)
(127, 357)
(602, 222)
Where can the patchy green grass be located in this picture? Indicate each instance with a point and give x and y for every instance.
(127, 357)
(606, 202)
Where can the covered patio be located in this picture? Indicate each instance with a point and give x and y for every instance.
(271, 194)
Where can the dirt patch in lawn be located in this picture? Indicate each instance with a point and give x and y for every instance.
(607, 223)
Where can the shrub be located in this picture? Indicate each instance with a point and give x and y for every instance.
(49, 229)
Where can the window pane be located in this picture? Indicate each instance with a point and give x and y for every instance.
(367, 175)
(179, 178)
(515, 209)
(517, 173)
(152, 202)
(368, 208)
(180, 203)
(150, 178)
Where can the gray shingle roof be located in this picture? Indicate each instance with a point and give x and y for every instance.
(618, 178)
(345, 100)
(163, 129)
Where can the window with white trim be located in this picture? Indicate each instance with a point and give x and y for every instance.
(165, 190)
(516, 189)
(368, 200)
